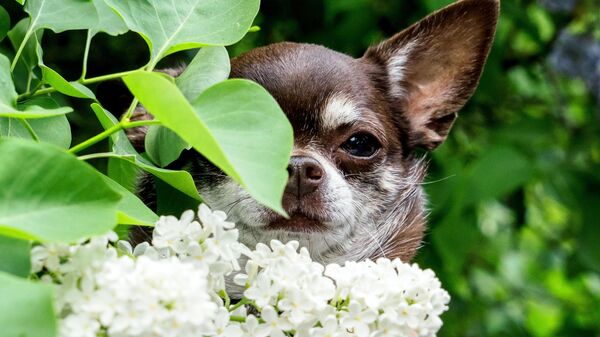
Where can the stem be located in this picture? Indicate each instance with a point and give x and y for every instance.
(82, 81)
(106, 133)
(239, 304)
(86, 53)
(225, 297)
(131, 109)
(29, 129)
(96, 156)
(21, 47)
(240, 319)
(107, 77)
(136, 124)
(29, 78)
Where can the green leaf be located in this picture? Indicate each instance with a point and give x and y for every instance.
(123, 172)
(49, 195)
(124, 151)
(170, 201)
(4, 23)
(53, 130)
(26, 307)
(209, 67)
(108, 21)
(34, 112)
(132, 210)
(29, 56)
(72, 89)
(163, 146)
(236, 124)
(8, 94)
(14, 256)
(168, 28)
(8, 98)
(61, 15)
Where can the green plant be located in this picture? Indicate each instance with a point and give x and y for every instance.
(50, 194)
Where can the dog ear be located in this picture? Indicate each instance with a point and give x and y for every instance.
(434, 66)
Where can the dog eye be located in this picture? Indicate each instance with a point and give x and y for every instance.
(361, 145)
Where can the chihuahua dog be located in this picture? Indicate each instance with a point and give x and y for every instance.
(355, 178)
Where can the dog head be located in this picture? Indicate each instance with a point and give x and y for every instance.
(354, 187)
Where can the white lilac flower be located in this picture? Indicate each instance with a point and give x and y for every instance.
(176, 234)
(174, 287)
(274, 326)
(357, 319)
(329, 328)
(146, 297)
(251, 327)
(48, 256)
(79, 326)
(401, 293)
(289, 280)
(223, 327)
(212, 243)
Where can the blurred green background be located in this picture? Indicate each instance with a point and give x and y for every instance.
(514, 192)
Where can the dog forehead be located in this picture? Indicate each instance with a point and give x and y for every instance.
(316, 87)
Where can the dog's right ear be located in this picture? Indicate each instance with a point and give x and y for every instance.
(434, 66)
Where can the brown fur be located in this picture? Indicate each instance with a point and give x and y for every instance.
(406, 92)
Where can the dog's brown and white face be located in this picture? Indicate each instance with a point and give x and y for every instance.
(355, 180)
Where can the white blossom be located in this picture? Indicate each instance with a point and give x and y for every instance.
(175, 286)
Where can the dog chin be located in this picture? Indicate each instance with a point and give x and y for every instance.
(323, 243)
(297, 223)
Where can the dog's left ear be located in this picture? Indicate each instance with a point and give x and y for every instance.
(434, 66)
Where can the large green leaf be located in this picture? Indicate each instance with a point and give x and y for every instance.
(108, 21)
(14, 256)
(61, 15)
(26, 307)
(209, 67)
(132, 210)
(49, 195)
(236, 124)
(124, 151)
(168, 28)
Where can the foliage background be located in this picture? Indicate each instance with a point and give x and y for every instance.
(515, 191)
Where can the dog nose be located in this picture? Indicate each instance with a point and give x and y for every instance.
(306, 175)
